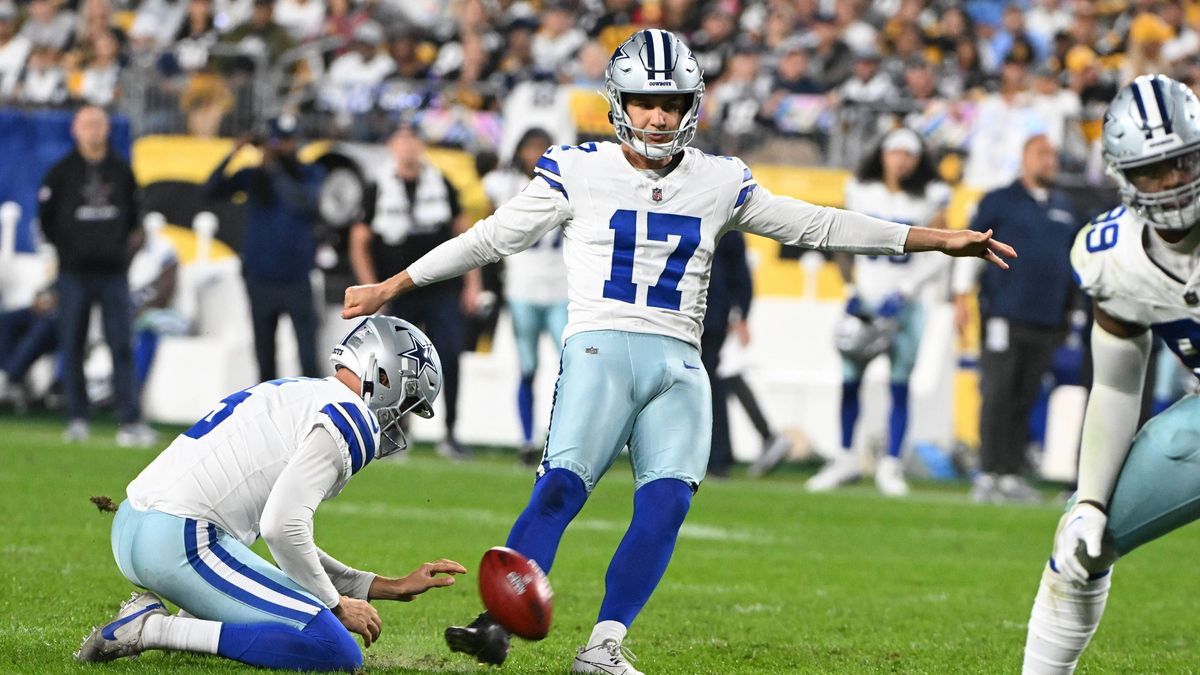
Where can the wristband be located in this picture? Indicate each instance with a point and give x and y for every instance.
(1092, 502)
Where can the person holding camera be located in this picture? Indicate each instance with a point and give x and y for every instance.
(279, 241)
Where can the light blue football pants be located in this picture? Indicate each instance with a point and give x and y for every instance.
(616, 388)
(203, 569)
(530, 320)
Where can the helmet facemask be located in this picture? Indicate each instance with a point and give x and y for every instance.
(1177, 208)
(635, 137)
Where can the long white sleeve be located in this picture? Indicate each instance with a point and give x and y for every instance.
(798, 223)
(1113, 408)
(514, 227)
(287, 518)
(347, 580)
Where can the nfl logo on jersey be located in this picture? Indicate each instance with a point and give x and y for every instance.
(656, 194)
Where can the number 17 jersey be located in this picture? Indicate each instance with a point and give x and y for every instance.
(638, 247)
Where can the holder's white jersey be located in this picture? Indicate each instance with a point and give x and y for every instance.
(224, 467)
(638, 247)
(876, 277)
(1113, 266)
(538, 274)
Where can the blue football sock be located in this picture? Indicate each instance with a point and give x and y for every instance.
(898, 422)
(323, 645)
(557, 498)
(849, 412)
(525, 406)
(659, 508)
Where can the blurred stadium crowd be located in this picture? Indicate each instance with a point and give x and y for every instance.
(819, 74)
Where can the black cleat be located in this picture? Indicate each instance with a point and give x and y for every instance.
(483, 639)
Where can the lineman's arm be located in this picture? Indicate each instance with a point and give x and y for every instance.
(798, 223)
(514, 227)
(1120, 352)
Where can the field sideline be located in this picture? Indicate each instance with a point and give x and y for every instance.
(765, 579)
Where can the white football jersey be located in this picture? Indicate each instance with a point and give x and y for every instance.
(1113, 266)
(224, 467)
(538, 274)
(878, 276)
(638, 247)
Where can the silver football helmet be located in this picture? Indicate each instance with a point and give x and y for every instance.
(400, 372)
(653, 61)
(862, 339)
(1154, 120)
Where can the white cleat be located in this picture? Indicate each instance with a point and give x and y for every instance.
(609, 657)
(838, 472)
(777, 449)
(123, 635)
(136, 435)
(78, 431)
(889, 477)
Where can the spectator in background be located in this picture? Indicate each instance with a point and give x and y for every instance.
(303, 19)
(737, 99)
(88, 209)
(95, 19)
(831, 59)
(867, 83)
(1148, 33)
(195, 40)
(26, 335)
(1186, 40)
(962, 73)
(535, 283)
(259, 40)
(98, 85)
(557, 39)
(1047, 18)
(44, 80)
(278, 243)
(1002, 122)
(730, 290)
(157, 23)
(713, 44)
(1023, 315)
(405, 57)
(1056, 107)
(354, 76)
(343, 18)
(14, 51)
(47, 26)
(412, 210)
(897, 181)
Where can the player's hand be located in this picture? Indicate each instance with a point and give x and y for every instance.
(426, 577)
(358, 616)
(1082, 535)
(363, 300)
(972, 244)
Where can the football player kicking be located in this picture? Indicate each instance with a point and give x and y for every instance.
(640, 219)
(1138, 263)
(260, 464)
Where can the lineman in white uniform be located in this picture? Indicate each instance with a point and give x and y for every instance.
(259, 465)
(1138, 263)
(897, 182)
(640, 220)
(535, 281)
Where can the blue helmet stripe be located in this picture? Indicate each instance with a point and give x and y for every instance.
(668, 66)
(648, 38)
(1137, 98)
(1162, 105)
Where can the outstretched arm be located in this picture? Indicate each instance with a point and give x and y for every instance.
(514, 227)
(799, 223)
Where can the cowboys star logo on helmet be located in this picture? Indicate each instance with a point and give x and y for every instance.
(422, 353)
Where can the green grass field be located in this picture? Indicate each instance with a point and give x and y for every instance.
(765, 578)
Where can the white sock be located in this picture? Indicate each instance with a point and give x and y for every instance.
(181, 634)
(1063, 620)
(605, 630)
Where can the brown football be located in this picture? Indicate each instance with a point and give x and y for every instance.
(516, 593)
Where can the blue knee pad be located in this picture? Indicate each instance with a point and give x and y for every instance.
(323, 645)
(557, 497)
